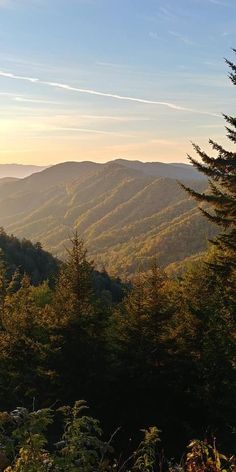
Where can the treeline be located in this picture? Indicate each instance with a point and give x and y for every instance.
(27, 258)
(164, 355)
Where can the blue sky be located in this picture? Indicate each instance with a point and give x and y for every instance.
(101, 79)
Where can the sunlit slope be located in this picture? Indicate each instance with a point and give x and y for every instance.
(127, 213)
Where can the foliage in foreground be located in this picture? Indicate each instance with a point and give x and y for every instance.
(81, 448)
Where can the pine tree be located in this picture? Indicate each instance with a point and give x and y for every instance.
(73, 295)
(139, 327)
(79, 322)
(211, 293)
(3, 285)
(25, 347)
(221, 195)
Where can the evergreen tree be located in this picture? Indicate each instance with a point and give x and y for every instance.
(79, 322)
(24, 347)
(73, 294)
(221, 197)
(208, 296)
(204, 348)
(139, 349)
(3, 285)
(142, 317)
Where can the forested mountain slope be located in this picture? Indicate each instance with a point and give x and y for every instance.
(27, 258)
(129, 213)
(41, 266)
(160, 169)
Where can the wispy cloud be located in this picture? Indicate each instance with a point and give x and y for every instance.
(182, 38)
(219, 2)
(67, 87)
(58, 125)
(111, 64)
(153, 35)
(213, 63)
(168, 13)
(95, 131)
(35, 100)
(211, 126)
(7, 94)
(21, 98)
(225, 34)
(120, 118)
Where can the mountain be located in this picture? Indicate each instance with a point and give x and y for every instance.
(160, 169)
(128, 212)
(19, 171)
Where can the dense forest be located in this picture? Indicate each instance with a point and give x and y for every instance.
(159, 356)
(27, 258)
(164, 355)
(22, 257)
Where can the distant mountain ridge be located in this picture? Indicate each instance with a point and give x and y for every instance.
(162, 169)
(18, 170)
(178, 170)
(128, 212)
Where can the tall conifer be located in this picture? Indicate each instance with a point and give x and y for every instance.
(221, 194)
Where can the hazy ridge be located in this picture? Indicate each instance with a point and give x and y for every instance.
(18, 170)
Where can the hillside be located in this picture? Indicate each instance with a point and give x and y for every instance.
(129, 213)
(7, 180)
(28, 258)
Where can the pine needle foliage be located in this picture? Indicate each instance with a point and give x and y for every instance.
(218, 204)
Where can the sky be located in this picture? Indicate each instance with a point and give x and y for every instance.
(105, 79)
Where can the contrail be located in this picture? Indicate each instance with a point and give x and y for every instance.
(18, 77)
(59, 85)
